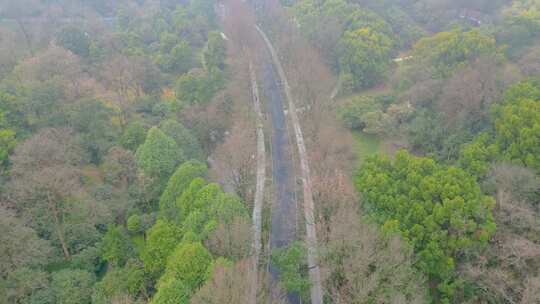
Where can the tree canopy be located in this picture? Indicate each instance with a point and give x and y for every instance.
(439, 210)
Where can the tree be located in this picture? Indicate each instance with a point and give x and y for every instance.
(55, 73)
(160, 243)
(325, 23)
(177, 184)
(76, 40)
(184, 138)
(237, 166)
(133, 136)
(190, 263)
(21, 246)
(185, 201)
(197, 87)
(530, 63)
(215, 52)
(468, 94)
(26, 285)
(226, 284)
(119, 167)
(293, 269)
(439, 210)
(7, 143)
(517, 127)
(93, 120)
(19, 10)
(446, 51)
(520, 25)
(125, 281)
(231, 240)
(178, 60)
(116, 246)
(159, 155)
(72, 286)
(45, 182)
(365, 56)
(128, 78)
(172, 291)
(364, 266)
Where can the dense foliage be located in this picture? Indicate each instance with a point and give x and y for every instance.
(365, 41)
(104, 197)
(439, 210)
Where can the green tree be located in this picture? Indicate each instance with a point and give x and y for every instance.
(88, 259)
(116, 246)
(178, 60)
(185, 201)
(76, 40)
(184, 138)
(190, 262)
(293, 269)
(476, 156)
(177, 184)
(134, 224)
(92, 119)
(159, 155)
(326, 22)
(198, 87)
(72, 286)
(7, 143)
(517, 131)
(21, 246)
(161, 240)
(446, 51)
(172, 291)
(364, 57)
(215, 51)
(26, 285)
(439, 210)
(128, 280)
(133, 136)
(521, 25)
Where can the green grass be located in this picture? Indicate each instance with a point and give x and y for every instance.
(366, 145)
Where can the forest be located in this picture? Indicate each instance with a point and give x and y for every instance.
(394, 156)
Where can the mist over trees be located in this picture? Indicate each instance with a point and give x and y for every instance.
(128, 150)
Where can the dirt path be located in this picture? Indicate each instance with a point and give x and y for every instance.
(311, 236)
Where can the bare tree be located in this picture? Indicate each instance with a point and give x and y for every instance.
(59, 65)
(227, 285)
(531, 294)
(370, 266)
(469, 93)
(233, 241)
(530, 62)
(235, 159)
(514, 248)
(45, 179)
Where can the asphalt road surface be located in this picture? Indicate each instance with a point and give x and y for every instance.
(284, 207)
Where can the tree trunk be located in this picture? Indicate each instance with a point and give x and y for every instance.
(58, 227)
(26, 36)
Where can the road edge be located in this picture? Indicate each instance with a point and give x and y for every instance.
(311, 234)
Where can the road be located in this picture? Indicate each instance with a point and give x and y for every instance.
(284, 207)
(316, 293)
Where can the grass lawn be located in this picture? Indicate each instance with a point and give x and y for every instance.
(366, 145)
